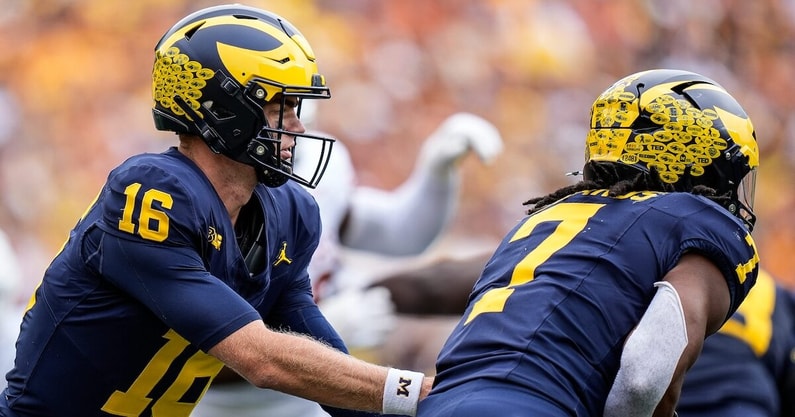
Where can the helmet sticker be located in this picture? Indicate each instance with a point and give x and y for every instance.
(679, 134)
(175, 74)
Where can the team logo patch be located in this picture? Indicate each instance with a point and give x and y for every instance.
(214, 238)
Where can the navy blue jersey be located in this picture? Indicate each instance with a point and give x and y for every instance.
(149, 280)
(550, 313)
(742, 368)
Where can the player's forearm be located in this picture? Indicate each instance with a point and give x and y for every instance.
(330, 377)
(667, 405)
(300, 366)
(650, 358)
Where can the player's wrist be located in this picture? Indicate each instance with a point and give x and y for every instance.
(402, 390)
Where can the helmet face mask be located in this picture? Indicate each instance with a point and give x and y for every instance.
(746, 193)
(682, 125)
(215, 71)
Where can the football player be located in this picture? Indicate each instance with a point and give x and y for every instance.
(588, 304)
(196, 258)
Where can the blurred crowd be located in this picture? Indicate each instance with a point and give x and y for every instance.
(75, 94)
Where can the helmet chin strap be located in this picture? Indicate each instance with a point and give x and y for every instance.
(270, 178)
(263, 155)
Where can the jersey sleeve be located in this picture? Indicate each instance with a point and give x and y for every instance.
(724, 240)
(172, 283)
(157, 201)
(153, 246)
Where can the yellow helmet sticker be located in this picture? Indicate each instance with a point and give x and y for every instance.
(176, 74)
(679, 134)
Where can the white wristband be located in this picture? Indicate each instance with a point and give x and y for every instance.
(402, 392)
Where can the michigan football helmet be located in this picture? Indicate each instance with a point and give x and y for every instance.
(683, 125)
(216, 69)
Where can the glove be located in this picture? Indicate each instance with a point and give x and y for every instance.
(362, 316)
(457, 135)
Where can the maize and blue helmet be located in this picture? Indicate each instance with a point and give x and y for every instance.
(215, 70)
(684, 126)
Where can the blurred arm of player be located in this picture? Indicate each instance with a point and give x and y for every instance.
(362, 317)
(10, 311)
(9, 272)
(420, 208)
(690, 304)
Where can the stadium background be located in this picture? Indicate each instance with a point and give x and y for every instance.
(75, 95)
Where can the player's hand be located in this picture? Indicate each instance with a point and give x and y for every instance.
(362, 316)
(459, 134)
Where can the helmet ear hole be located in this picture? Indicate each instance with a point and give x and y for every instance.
(220, 113)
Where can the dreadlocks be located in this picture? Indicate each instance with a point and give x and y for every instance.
(618, 179)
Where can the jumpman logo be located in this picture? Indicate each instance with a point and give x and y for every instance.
(282, 255)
